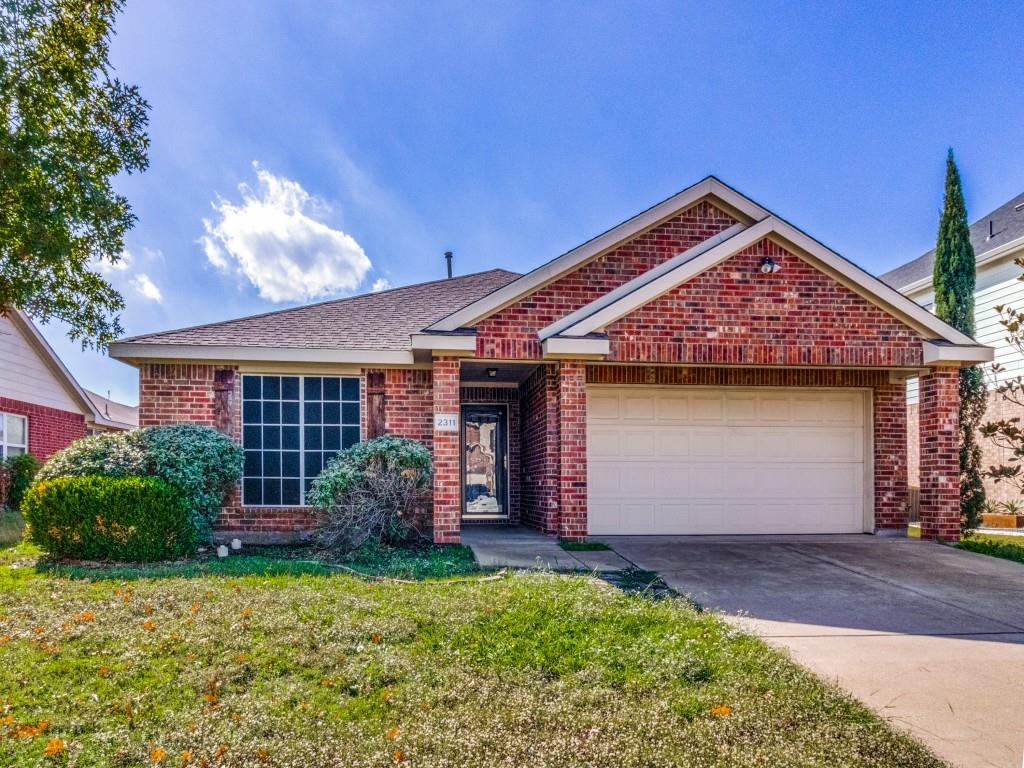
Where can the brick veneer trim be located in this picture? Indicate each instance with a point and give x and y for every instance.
(939, 454)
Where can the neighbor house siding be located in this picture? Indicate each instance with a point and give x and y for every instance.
(512, 332)
(25, 377)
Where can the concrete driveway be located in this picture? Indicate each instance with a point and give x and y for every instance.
(930, 637)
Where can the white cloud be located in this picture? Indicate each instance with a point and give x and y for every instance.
(380, 284)
(146, 288)
(273, 239)
(105, 267)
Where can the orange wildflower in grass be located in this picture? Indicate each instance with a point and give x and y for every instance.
(398, 755)
(194, 609)
(236, 716)
(31, 731)
(54, 747)
(149, 625)
(262, 755)
(246, 612)
(241, 658)
(157, 755)
(186, 756)
(392, 733)
(721, 710)
(85, 616)
(39, 629)
(221, 751)
(376, 637)
(5, 638)
(149, 610)
(103, 671)
(7, 720)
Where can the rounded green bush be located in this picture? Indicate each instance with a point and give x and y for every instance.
(16, 475)
(202, 463)
(94, 517)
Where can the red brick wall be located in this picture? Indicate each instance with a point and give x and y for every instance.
(572, 431)
(447, 488)
(508, 396)
(49, 429)
(890, 449)
(940, 459)
(512, 332)
(732, 314)
(539, 408)
(176, 393)
(409, 404)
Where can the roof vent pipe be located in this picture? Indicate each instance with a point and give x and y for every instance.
(448, 259)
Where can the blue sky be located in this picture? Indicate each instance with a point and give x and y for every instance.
(304, 149)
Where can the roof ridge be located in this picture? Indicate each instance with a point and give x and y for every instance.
(325, 302)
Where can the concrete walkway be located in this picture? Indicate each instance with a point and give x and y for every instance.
(930, 637)
(498, 546)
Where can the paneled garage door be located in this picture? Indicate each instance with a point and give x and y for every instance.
(695, 460)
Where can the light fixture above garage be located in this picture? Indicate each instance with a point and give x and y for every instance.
(769, 265)
(492, 373)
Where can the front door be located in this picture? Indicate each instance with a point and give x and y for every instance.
(484, 462)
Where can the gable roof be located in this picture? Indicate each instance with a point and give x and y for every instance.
(1007, 226)
(382, 321)
(729, 199)
(689, 264)
(114, 413)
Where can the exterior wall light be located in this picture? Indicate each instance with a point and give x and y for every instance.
(492, 373)
(769, 265)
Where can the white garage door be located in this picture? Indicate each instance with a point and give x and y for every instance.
(695, 460)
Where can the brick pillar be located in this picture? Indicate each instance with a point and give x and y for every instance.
(572, 453)
(890, 438)
(447, 485)
(940, 456)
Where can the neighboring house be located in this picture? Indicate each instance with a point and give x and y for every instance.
(118, 417)
(704, 367)
(42, 407)
(998, 240)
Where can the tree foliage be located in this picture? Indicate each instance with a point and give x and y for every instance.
(68, 127)
(1007, 433)
(954, 282)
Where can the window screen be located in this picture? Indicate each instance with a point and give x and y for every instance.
(291, 427)
(13, 435)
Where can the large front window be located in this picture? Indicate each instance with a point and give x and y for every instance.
(291, 427)
(13, 435)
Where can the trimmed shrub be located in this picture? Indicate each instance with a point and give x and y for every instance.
(109, 518)
(16, 475)
(202, 463)
(371, 493)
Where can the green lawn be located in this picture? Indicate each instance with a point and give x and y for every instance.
(1006, 547)
(268, 660)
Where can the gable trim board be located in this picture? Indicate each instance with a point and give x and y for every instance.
(709, 187)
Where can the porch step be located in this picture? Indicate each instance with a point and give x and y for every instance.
(520, 547)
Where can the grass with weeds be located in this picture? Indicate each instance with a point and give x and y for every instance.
(1006, 547)
(584, 546)
(280, 667)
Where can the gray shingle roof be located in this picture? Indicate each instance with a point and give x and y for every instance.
(113, 410)
(1007, 225)
(383, 320)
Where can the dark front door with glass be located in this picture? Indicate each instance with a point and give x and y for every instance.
(484, 461)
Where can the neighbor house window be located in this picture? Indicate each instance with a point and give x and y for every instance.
(13, 435)
(291, 427)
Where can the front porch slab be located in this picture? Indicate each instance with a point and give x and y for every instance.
(519, 547)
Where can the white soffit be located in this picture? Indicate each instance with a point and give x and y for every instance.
(936, 354)
(709, 187)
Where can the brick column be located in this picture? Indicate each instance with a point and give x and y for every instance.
(572, 453)
(940, 454)
(447, 484)
(890, 439)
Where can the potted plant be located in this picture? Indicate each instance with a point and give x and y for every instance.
(1004, 514)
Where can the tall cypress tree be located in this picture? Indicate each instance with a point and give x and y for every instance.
(953, 281)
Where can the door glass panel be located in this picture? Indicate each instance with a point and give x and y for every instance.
(483, 462)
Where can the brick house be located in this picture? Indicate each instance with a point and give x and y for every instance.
(998, 241)
(42, 406)
(702, 368)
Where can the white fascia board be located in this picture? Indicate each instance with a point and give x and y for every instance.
(652, 289)
(128, 352)
(456, 343)
(554, 269)
(876, 290)
(638, 282)
(36, 340)
(1004, 251)
(937, 354)
(561, 347)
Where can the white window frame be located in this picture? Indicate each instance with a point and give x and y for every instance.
(301, 425)
(5, 442)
